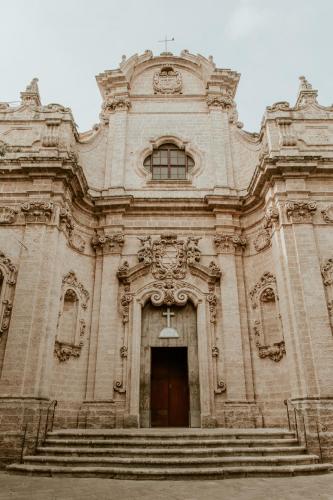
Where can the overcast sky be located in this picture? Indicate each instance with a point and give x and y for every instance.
(65, 43)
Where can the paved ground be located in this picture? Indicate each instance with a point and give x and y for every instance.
(43, 488)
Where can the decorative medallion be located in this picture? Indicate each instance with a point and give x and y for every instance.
(7, 215)
(167, 81)
(262, 240)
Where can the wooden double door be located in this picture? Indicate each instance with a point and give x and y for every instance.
(169, 403)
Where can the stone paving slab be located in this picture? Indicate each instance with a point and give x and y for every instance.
(42, 488)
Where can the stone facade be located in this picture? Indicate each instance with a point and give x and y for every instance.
(90, 243)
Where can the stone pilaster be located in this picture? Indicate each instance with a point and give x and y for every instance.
(228, 247)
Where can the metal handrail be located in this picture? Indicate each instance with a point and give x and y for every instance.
(52, 405)
(298, 411)
(23, 442)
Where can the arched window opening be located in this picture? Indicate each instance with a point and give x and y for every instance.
(168, 162)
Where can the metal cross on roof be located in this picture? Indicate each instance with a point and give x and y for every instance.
(165, 41)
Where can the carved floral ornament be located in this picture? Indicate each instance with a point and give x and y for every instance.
(264, 291)
(116, 103)
(8, 273)
(167, 81)
(229, 243)
(8, 215)
(301, 211)
(224, 102)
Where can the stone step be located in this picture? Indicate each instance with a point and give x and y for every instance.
(175, 442)
(162, 462)
(170, 472)
(122, 452)
(172, 433)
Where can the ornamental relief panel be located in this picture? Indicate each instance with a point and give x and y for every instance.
(262, 240)
(8, 273)
(167, 81)
(8, 215)
(266, 319)
(327, 275)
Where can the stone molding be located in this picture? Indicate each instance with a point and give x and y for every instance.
(226, 243)
(37, 211)
(287, 136)
(8, 215)
(50, 138)
(108, 243)
(70, 281)
(301, 211)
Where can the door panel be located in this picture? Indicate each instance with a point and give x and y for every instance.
(169, 387)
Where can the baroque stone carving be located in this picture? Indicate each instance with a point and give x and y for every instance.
(262, 240)
(301, 211)
(167, 81)
(51, 136)
(229, 243)
(287, 138)
(111, 243)
(221, 387)
(64, 351)
(279, 106)
(212, 301)
(123, 351)
(125, 301)
(119, 103)
(10, 271)
(169, 292)
(118, 387)
(7, 215)
(37, 211)
(215, 351)
(71, 280)
(169, 256)
(3, 148)
(263, 292)
(327, 214)
(8, 274)
(77, 242)
(66, 220)
(267, 280)
(271, 217)
(327, 272)
(223, 102)
(31, 94)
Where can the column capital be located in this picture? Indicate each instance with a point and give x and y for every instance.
(108, 243)
(301, 211)
(229, 243)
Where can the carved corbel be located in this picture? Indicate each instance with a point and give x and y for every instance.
(64, 351)
(287, 138)
(66, 220)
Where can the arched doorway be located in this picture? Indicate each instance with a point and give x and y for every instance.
(169, 368)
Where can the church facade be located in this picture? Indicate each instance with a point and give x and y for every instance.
(166, 268)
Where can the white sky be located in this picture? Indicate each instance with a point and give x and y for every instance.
(65, 43)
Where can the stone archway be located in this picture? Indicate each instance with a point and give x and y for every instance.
(184, 324)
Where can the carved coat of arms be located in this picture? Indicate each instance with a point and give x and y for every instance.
(168, 256)
(167, 81)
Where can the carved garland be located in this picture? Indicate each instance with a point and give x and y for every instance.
(65, 350)
(8, 274)
(265, 291)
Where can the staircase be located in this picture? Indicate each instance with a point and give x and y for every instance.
(171, 454)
